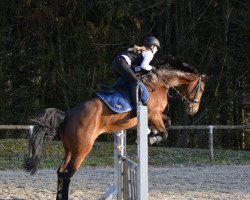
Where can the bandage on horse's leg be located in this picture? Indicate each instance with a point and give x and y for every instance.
(63, 185)
(63, 178)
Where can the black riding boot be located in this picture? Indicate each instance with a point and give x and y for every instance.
(63, 186)
(135, 97)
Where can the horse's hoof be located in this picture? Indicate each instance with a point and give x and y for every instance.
(151, 140)
(154, 131)
(165, 136)
(155, 139)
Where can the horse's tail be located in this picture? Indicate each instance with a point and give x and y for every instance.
(48, 124)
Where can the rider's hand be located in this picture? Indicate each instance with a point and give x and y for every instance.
(153, 69)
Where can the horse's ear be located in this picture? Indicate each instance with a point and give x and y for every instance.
(204, 78)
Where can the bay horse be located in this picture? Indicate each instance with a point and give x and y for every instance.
(79, 127)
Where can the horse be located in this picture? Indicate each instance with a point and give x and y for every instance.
(79, 127)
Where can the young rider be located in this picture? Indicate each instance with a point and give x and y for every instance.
(136, 56)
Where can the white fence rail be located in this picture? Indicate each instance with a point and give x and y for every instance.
(16, 127)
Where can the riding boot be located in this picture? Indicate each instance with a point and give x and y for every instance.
(63, 186)
(135, 97)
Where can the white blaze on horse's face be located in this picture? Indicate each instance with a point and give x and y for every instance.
(194, 93)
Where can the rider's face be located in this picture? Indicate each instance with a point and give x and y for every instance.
(154, 49)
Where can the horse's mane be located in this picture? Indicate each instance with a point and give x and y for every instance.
(173, 63)
(173, 67)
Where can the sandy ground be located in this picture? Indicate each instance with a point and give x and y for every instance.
(168, 183)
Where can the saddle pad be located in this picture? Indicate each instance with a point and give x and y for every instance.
(120, 101)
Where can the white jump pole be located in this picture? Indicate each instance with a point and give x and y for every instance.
(117, 190)
(142, 147)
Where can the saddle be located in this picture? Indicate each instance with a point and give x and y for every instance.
(118, 98)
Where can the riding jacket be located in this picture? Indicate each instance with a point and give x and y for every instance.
(139, 60)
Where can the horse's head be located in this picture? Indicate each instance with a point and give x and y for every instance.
(190, 84)
(192, 91)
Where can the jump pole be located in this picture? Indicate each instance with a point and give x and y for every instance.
(141, 167)
(142, 152)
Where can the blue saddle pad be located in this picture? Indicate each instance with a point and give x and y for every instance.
(120, 101)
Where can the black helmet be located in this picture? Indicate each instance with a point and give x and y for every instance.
(151, 41)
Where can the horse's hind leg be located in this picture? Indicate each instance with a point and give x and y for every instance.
(67, 170)
(63, 185)
(80, 131)
(63, 179)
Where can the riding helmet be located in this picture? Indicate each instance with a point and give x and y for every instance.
(151, 41)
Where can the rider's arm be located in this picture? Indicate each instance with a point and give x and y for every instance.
(147, 57)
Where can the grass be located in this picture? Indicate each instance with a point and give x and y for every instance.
(12, 152)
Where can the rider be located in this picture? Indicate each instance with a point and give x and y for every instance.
(135, 56)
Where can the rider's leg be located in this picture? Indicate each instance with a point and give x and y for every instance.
(135, 95)
(121, 67)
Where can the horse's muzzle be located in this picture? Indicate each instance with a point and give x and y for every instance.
(192, 113)
(192, 110)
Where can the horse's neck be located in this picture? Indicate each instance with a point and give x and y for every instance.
(169, 78)
(179, 78)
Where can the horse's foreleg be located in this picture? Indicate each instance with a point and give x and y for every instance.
(157, 122)
(167, 121)
(158, 125)
(163, 123)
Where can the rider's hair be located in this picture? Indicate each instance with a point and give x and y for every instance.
(137, 49)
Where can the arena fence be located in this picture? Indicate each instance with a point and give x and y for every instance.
(210, 129)
(131, 179)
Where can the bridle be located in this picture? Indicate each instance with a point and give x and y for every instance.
(195, 90)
